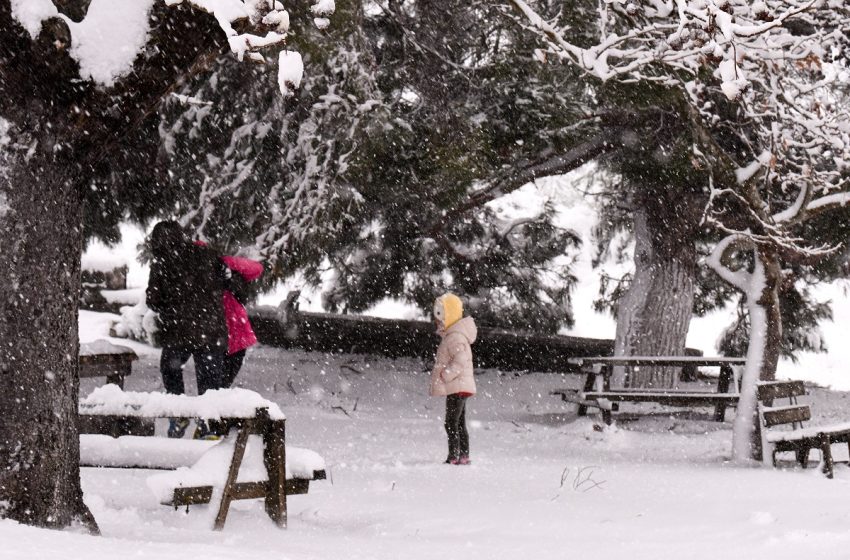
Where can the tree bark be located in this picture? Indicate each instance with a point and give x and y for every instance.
(40, 243)
(54, 130)
(769, 301)
(654, 314)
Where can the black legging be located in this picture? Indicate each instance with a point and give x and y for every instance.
(232, 365)
(456, 426)
(209, 368)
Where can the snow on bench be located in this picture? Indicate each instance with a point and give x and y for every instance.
(798, 439)
(110, 400)
(256, 430)
(98, 450)
(102, 346)
(101, 358)
(174, 454)
(808, 433)
(211, 469)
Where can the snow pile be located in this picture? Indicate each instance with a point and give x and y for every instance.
(105, 43)
(323, 7)
(142, 452)
(30, 14)
(806, 433)
(290, 68)
(220, 403)
(210, 470)
(209, 460)
(290, 71)
(212, 467)
(731, 76)
(103, 347)
(127, 297)
(136, 322)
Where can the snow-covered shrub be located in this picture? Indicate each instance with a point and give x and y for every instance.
(137, 322)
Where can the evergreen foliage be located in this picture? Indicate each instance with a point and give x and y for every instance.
(404, 110)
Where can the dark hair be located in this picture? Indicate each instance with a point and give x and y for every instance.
(167, 236)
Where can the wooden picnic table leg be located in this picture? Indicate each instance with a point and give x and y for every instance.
(117, 379)
(723, 383)
(274, 458)
(235, 463)
(607, 371)
(826, 450)
(589, 382)
(803, 456)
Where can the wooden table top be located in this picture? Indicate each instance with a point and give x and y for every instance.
(659, 360)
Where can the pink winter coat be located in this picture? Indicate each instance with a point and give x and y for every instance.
(452, 371)
(240, 334)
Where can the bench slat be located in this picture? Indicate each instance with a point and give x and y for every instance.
(771, 390)
(833, 431)
(196, 495)
(115, 426)
(786, 415)
(191, 496)
(574, 396)
(669, 398)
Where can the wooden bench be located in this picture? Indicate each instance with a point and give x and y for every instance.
(101, 358)
(799, 439)
(242, 414)
(597, 390)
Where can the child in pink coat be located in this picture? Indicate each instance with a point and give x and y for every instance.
(240, 334)
(452, 375)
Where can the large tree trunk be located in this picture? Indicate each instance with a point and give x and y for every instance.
(40, 242)
(54, 129)
(654, 314)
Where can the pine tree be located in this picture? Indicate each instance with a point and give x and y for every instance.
(403, 112)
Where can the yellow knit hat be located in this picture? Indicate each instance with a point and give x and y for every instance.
(448, 309)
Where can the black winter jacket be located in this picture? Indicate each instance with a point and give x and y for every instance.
(185, 289)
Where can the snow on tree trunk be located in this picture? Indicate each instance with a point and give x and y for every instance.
(762, 294)
(761, 289)
(654, 314)
(743, 428)
(40, 279)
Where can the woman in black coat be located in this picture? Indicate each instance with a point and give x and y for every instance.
(185, 290)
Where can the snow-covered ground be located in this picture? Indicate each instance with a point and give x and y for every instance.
(543, 483)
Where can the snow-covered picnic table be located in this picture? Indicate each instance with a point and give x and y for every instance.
(203, 469)
(101, 358)
(598, 392)
(212, 405)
